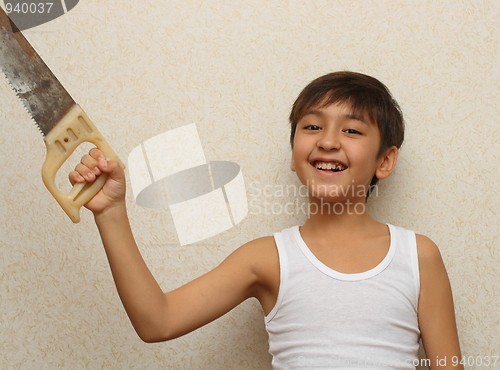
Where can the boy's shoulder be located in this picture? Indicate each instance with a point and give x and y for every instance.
(429, 256)
(260, 250)
(427, 249)
(260, 257)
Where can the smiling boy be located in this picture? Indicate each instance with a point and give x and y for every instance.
(342, 290)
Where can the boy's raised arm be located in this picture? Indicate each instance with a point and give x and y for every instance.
(436, 314)
(155, 315)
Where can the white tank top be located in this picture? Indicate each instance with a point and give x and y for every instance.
(324, 319)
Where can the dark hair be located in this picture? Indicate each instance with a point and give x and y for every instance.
(367, 97)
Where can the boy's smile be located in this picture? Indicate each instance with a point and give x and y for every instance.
(335, 150)
(326, 165)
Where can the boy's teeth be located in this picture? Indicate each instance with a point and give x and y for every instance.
(329, 166)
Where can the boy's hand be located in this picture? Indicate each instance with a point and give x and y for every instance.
(113, 191)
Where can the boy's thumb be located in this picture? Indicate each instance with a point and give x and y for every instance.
(111, 167)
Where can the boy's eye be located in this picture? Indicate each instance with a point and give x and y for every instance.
(312, 127)
(352, 131)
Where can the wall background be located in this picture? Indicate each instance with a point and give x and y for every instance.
(142, 68)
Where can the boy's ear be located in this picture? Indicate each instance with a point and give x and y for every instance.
(387, 163)
(292, 164)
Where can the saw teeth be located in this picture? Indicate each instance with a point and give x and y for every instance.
(38, 127)
(23, 102)
(29, 112)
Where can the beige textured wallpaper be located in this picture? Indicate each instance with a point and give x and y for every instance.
(142, 68)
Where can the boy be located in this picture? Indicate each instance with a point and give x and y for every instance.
(341, 291)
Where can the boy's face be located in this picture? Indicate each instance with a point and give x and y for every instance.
(335, 153)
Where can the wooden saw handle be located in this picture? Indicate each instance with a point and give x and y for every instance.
(73, 129)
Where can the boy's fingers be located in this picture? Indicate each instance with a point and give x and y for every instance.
(91, 163)
(97, 154)
(109, 167)
(85, 172)
(113, 169)
(90, 166)
(75, 177)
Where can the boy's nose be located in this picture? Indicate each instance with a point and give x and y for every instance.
(329, 141)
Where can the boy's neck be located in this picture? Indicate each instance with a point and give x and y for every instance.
(344, 218)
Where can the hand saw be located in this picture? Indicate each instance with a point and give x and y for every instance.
(62, 122)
